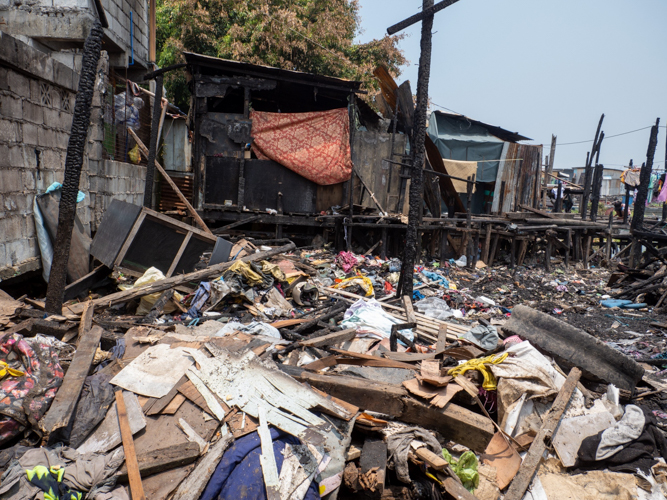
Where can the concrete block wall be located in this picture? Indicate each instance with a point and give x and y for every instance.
(118, 15)
(36, 109)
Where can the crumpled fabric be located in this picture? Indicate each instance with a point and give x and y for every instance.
(199, 300)
(436, 278)
(24, 400)
(625, 430)
(638, 453)
(364, 282)
(398, 447)
(346, 260)
(486, 337)
(249, 273)
(369, 319)
(239, 473)
(481, 365)
(96, 398)
(254, 328)
(274, 270)
(91, 472)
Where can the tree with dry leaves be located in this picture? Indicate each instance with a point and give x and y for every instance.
(315, 36)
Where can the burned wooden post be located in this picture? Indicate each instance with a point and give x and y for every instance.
(595, 191)
(642, 192)
(152, 147)
(73, 163)
(549, 166)
(597, 141)
(418, 136)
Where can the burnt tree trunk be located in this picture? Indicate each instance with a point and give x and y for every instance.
(152, 148)
(73, 163)
(416, 174)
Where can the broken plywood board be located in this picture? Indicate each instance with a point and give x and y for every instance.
(164, 459)
(572, 431)
(107, 436)
(155, 372)
(163, 431)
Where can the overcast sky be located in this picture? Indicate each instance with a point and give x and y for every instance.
(538, 68)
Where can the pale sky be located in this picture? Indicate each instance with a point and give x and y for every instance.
(538, 68)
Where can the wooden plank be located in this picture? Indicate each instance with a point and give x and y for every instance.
(432, 460)
(85, 324)
(172, 184)
(161, 403)
(189, 390)
(538, 212)
(441, 345)
(159, 305)
(133, 474)
(409, 311)
(194, 484)
(179, 254)
(532, 460)
(60, 413)
(163, 459)
(459, 424)
(456, 490)
(330, 339)
(175, 404)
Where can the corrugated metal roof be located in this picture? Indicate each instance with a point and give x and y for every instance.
(241, 68)
(499, 132)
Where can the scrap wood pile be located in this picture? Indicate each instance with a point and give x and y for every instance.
(293, 373)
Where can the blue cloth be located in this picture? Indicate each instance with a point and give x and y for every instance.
(201, 296)
(56, 185)
(239, 473)
(436, 278)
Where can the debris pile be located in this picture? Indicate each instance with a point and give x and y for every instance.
(298, 373)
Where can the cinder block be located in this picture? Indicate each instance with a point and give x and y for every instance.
(52, 159)
(18, 251)
(11, 181)
(4, 74)
(10, 107)
(3, 256)
(62, 139)
(34, 113)
(19, 84)
(52, 118)
(10, 228)
(15, 156)
(35, 92)
(9, 131)
(46, 137)
(30, 134)
(29, 179)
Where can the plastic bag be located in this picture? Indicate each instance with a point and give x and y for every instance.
(465, 468)
(151, 275)
(433, 307)
(134, 155)
(126, 110)
(365, 283)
